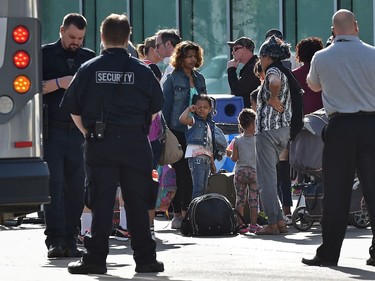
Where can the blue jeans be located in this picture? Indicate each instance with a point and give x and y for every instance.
(200, 168)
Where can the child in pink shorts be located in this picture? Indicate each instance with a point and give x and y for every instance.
(242, 151)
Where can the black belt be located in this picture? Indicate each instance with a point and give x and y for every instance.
(359, 113)
(119, 128)
(62, 125)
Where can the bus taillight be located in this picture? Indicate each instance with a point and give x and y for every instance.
(21, 59)
(21, 84)
(21, 34)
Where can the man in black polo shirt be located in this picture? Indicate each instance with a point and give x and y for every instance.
(62, 140)
(112, 100)
(243, 52)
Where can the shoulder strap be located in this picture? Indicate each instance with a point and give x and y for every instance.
(163, 122)
(296, 93)
(164, 126)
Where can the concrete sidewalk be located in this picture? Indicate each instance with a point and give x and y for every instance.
(240, 257)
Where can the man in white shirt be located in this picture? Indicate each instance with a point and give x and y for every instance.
(347, 87)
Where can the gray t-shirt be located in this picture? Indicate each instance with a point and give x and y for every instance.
(345, 70)
(246, 151)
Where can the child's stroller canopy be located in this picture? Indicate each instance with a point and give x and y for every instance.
(305, 152)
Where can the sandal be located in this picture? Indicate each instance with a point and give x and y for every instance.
(242, 229)
(255, 228)
(283, 229)
(268, 231)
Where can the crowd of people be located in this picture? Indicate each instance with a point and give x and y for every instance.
(103, 118)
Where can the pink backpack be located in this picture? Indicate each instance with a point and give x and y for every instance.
(167, 188)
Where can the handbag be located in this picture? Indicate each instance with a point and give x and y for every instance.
(171, 150)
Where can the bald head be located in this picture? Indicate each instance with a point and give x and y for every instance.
(344, 23)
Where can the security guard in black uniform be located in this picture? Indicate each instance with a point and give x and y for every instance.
(62, 140)
(112, 100)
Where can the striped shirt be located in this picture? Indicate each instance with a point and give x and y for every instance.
(267, 117)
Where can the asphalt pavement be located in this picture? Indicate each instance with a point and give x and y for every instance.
(241, 257)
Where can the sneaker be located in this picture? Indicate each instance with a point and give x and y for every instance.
(288, 219)
(156, 266)
(370, 261)
(73, 252)
(122, 234)
(254, 228)
(80, 267)
(243, 229)
(55, 251)
(152, 233)
(176, 222)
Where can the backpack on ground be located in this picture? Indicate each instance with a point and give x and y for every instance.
(209, 215)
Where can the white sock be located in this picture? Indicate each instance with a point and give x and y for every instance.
(86, 219)
(123, 222)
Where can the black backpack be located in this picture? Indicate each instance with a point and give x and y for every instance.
(209, 215)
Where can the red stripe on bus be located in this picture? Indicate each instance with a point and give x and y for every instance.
(20, 144)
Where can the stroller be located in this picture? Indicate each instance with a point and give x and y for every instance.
(305, 157)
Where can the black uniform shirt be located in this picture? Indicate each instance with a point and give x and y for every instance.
(58, 63)
(116, 88)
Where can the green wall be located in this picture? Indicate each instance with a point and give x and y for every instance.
(210, 23)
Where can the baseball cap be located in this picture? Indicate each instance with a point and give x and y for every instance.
(244, 42)
(271, 47)
(275, 32)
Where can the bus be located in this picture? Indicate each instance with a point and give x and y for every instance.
(24, 175)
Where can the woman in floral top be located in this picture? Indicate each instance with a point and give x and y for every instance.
(274, 112)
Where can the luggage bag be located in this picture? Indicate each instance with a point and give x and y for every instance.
(209, 215)
(222, 183)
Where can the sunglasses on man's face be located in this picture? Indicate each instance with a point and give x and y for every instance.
(237, 48)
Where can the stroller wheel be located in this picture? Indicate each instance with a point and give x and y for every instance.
(360, 219)
(301, 219)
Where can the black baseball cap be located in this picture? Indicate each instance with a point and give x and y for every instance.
(275, 32)
(244, 42)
